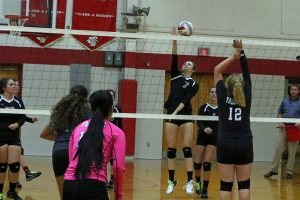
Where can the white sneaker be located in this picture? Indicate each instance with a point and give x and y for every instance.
(189, 187)
(171, 186)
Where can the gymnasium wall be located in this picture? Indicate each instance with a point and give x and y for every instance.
(44, 85)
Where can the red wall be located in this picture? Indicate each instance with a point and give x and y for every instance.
(17, 55)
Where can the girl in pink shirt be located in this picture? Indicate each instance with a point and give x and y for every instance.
(92, 144)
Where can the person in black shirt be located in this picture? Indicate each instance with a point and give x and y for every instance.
(29, 174)
(206, 142)
(10, 143)
(118, 123)
(235, 145)
(183, 89)
(65, 116)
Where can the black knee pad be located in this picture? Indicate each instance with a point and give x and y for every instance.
(197, 166)
(187, 152)
(14, 167)
(171, 153)
(3, 167)
(226, 186)
(244, 184)
(206, 166)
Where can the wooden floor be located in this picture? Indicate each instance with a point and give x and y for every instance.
(146, 180)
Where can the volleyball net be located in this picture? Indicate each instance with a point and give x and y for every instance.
(48, 62)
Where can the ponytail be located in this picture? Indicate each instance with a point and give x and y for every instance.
(90, 147)
(235, 86)
(238, 94)
(90, 152)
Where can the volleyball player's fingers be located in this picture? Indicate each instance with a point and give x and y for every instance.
(13, 126)
(208, 130)
(35, 119)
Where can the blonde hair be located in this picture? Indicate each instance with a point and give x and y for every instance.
(235, 86)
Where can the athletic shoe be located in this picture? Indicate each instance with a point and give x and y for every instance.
(204, 194)
(189, 187)
(110, 185)
(171, 186)
(19, 185)
(289, 176)
(269, 174)
(31, 175)
(1, 196)
(13, 195)
(198, 187)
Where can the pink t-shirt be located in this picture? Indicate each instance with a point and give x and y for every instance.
(114, 145)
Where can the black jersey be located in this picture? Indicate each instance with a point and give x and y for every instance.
(208, 110)
(182, 90)
(234, 121)
(117, 121)
(8, 119)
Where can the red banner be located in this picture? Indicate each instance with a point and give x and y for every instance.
(94, 15)
(40, 15)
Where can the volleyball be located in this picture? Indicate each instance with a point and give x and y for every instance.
(185, 28)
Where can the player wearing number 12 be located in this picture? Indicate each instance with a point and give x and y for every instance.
(235, 145)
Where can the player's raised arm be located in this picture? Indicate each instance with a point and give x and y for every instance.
(220, 68)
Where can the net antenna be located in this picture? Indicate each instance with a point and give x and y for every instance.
(16, 21)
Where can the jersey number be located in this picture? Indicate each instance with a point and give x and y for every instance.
(235, 114)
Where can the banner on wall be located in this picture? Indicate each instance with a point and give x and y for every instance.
(94, 15)
(40, 16)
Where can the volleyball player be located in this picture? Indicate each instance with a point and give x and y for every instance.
(10, 143)
(235, 146)
(29, 174)
(183, 89)
(205, 148)
(118, 123)
(66, 114)
(92, 144)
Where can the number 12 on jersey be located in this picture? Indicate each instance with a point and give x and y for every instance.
(235, 114)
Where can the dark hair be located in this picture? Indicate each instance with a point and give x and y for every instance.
(79, 90)
(90, 145)
(68, 112)
(295, 85)
(112, 91)
(3, 84)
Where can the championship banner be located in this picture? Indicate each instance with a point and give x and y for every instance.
(40, 16)
(95, 15)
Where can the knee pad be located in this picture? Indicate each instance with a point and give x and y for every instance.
(244, 184)
(206, 166)
(14, 167)
(197, 166)
(187, 152)
(226, 186)
(3, 167)
(171, 153)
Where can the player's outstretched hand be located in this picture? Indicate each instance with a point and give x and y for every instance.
(238, 45)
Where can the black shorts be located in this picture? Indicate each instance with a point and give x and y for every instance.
(86, 189)
(60, 161)
(204, 139)
(184, 111)
(178, 122)
(238, 151)
(15, 142)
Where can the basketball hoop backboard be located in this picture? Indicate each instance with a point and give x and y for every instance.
(9, 7)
